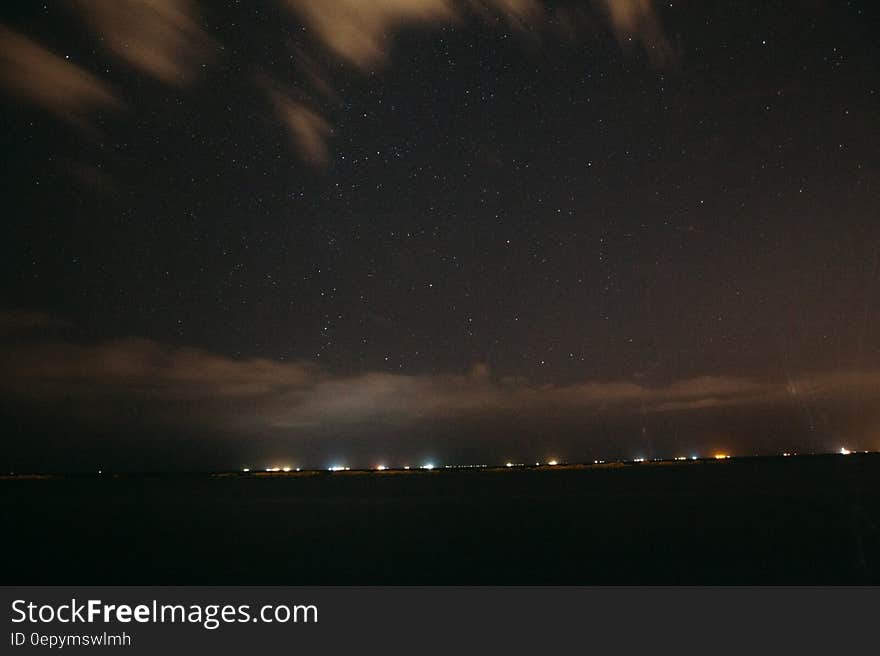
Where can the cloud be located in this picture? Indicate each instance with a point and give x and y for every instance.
(162, 38)
(259, 394)
(30, 72)
(308, 130)
(360, 32)
(636, 20)
(28, 320)
(142, 368)
(166, 40)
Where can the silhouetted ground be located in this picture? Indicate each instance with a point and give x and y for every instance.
(807, 520)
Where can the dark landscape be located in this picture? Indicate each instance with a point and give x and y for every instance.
(771, 520)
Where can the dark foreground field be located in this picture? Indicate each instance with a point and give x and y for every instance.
(771, 520)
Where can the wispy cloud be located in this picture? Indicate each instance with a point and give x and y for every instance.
(167, 40)
(30, 72)
(308, 130)
(636, 21)
(28, 320)
(162, 38)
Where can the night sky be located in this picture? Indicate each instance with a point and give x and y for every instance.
(316, 232)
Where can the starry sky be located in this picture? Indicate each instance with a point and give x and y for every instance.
(315, 232)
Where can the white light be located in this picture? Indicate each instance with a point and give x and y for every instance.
(381, 468)
(428, 465)
(297, 469)
(287, 469)
(693, 457)
(537, 464)
(680, 458)
(246, 469)
(639, 460)
(336, 468)
(844, 451)
(509, 464)
(552, 463)
(406, 467)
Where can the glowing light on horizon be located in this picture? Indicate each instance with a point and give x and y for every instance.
(246, 469)
(721, 456)
(287, 469)
(509, 464)
(681, 458)
(844, 451)
(381, 468)
(639, 460)
(428, 465)
(552, 463)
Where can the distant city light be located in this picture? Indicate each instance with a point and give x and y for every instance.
(844, 451)
(287, 469)
(428, 465)
(406, 467)
(336, 468)
(381, 468)
(552, 463)
(639, 460)
(721, 456)
(681, 458)
(509, 464)
(273, 469)
(246, 469)
(693, 457)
